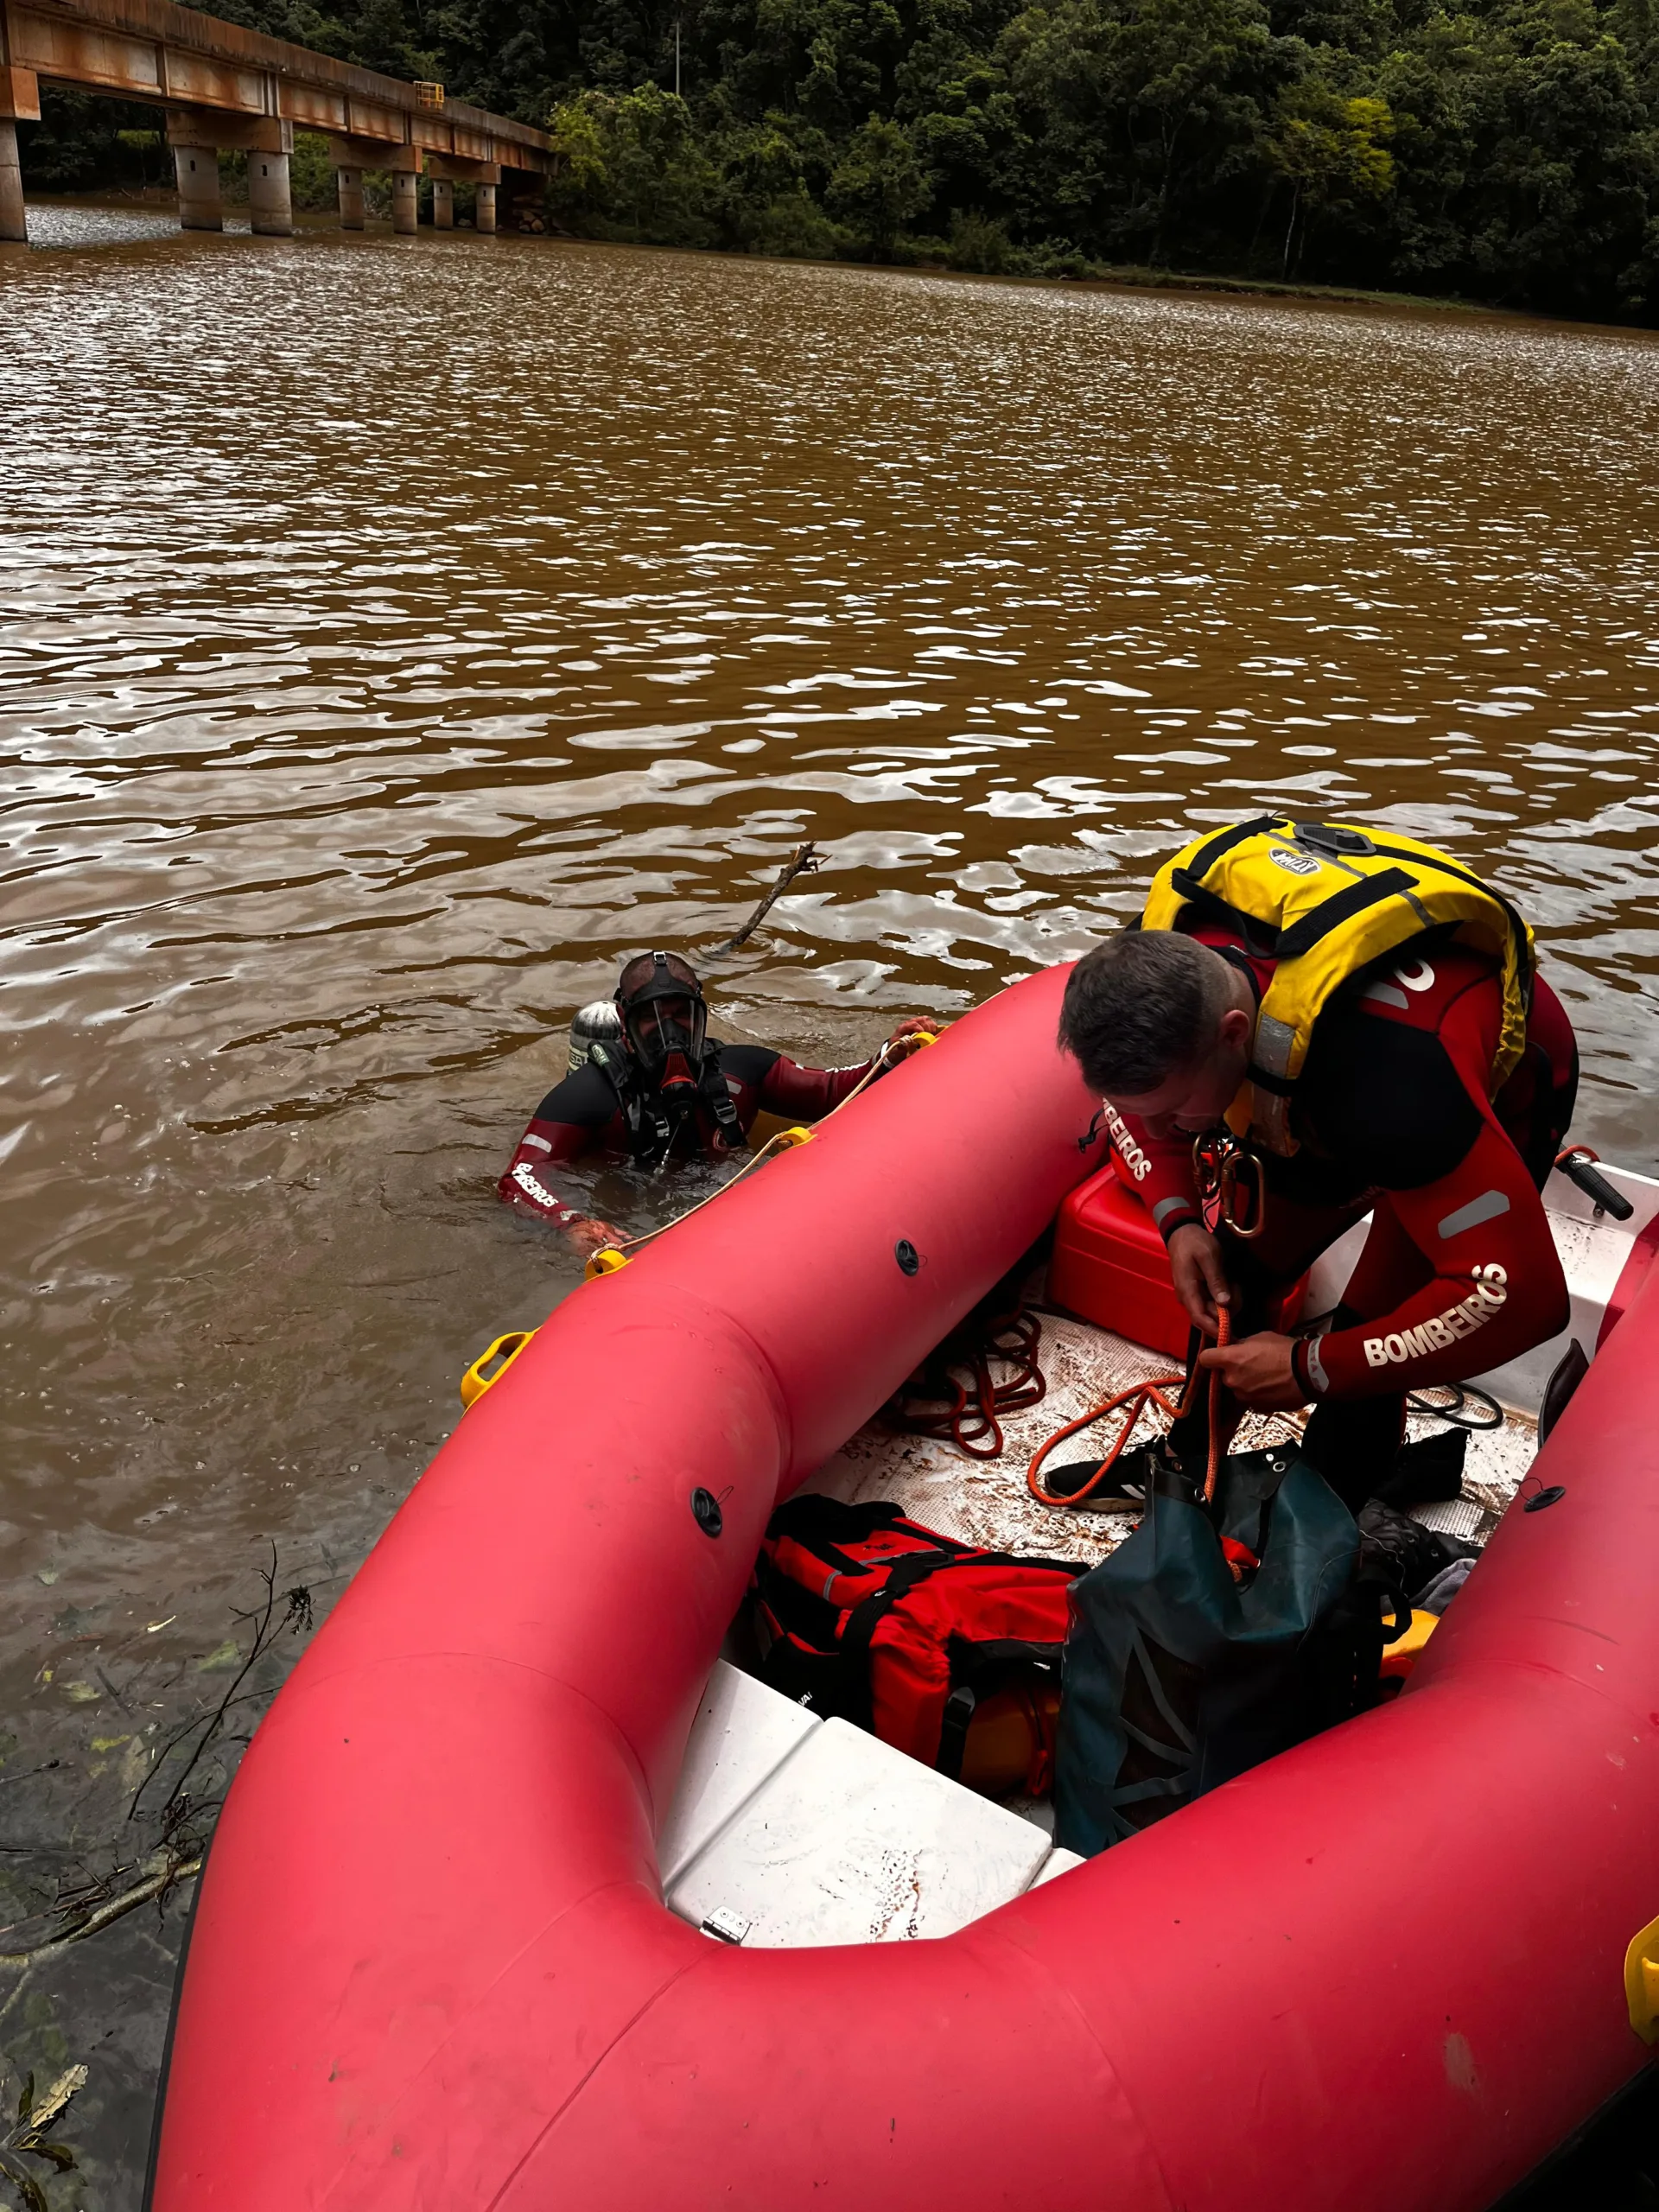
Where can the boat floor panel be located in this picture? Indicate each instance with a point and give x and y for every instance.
(986, 1501)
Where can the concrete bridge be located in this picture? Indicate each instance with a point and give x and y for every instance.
(221, 86)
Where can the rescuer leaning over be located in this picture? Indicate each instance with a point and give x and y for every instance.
(1312, 1022)
(663, 1091)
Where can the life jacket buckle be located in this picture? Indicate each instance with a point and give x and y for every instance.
(1232, 1189)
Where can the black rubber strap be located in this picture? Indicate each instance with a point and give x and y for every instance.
(1223, 841)
(822, 1525)
(1341, 906)
(1210, 906)
(1280, 1085)
(861, 1625)
(957, 1719)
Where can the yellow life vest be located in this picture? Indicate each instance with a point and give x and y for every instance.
(1327, 901)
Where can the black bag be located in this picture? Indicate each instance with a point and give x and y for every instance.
(1186, 1665)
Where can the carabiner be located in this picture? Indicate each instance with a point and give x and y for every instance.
(1231, 1188)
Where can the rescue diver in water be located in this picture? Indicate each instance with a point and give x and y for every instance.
(1346, 1022)
(670, 1091)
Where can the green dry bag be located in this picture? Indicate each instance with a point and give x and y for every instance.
(1180, 1673)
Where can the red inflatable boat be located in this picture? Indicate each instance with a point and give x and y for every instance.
(432, 1968)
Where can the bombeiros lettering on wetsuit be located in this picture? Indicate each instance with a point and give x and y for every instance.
(1124, 1145)
(1441, 1331)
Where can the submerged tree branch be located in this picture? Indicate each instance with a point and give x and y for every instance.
(156, 1885)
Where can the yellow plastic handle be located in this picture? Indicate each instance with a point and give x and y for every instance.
(1641, 1982)
(475, 1381)
(604, 1263)
(1398, 1658)
(786, 1140)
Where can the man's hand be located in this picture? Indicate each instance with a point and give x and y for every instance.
(585, 1237)
(916, 1024)
(1201, 1281)
(1258, 1371)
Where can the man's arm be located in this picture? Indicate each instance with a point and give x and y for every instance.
(807, 1094)
(1495, 1285)
(567, 1123)
(1469, 1277)
(1160, 1171)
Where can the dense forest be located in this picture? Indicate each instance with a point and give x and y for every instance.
(1508, 151)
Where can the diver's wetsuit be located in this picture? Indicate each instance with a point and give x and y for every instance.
(582, 1115)
(1459, 1272)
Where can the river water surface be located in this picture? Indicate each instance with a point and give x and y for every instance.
(395, 633)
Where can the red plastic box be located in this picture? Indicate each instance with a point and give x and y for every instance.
(1110, 1264)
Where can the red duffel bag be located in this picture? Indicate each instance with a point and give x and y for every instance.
(947, 1652)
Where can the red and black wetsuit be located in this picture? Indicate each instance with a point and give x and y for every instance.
(1392, 1116)
(583, 1114)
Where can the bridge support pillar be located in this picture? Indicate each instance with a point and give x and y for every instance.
(406, 203)
(14, 221)
(444, 204)
(199, 206)
(485, 217)
(269, 199)
(350, 199)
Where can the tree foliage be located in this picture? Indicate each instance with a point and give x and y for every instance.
(1500, 149)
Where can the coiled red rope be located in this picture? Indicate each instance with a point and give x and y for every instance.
(970, 1415)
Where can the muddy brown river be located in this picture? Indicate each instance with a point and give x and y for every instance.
(395, 634)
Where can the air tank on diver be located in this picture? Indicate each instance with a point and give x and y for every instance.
(598, 1024)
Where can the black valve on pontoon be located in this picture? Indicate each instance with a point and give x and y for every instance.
(1581, 1166)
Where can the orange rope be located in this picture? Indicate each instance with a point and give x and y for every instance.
(1138, 1397)
(1212, 1473)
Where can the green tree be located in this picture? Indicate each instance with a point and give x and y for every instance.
(878, 185)
(1333, 154)
(1141, 111)
(581, 178)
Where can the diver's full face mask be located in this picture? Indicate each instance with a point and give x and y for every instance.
(665, 1022)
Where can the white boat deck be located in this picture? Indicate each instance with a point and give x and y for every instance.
(988, 1501)
(787, 1830)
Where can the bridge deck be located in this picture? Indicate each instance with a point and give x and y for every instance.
(182, 59)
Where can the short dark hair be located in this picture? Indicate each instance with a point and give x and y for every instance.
(639, 970)
(1136, 1009)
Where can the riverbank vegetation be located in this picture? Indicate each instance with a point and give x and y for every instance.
(1506, 150)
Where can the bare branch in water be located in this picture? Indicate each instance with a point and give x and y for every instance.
(155, 1884)
(805, 860)
(297, 1617)
(87, 1901)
